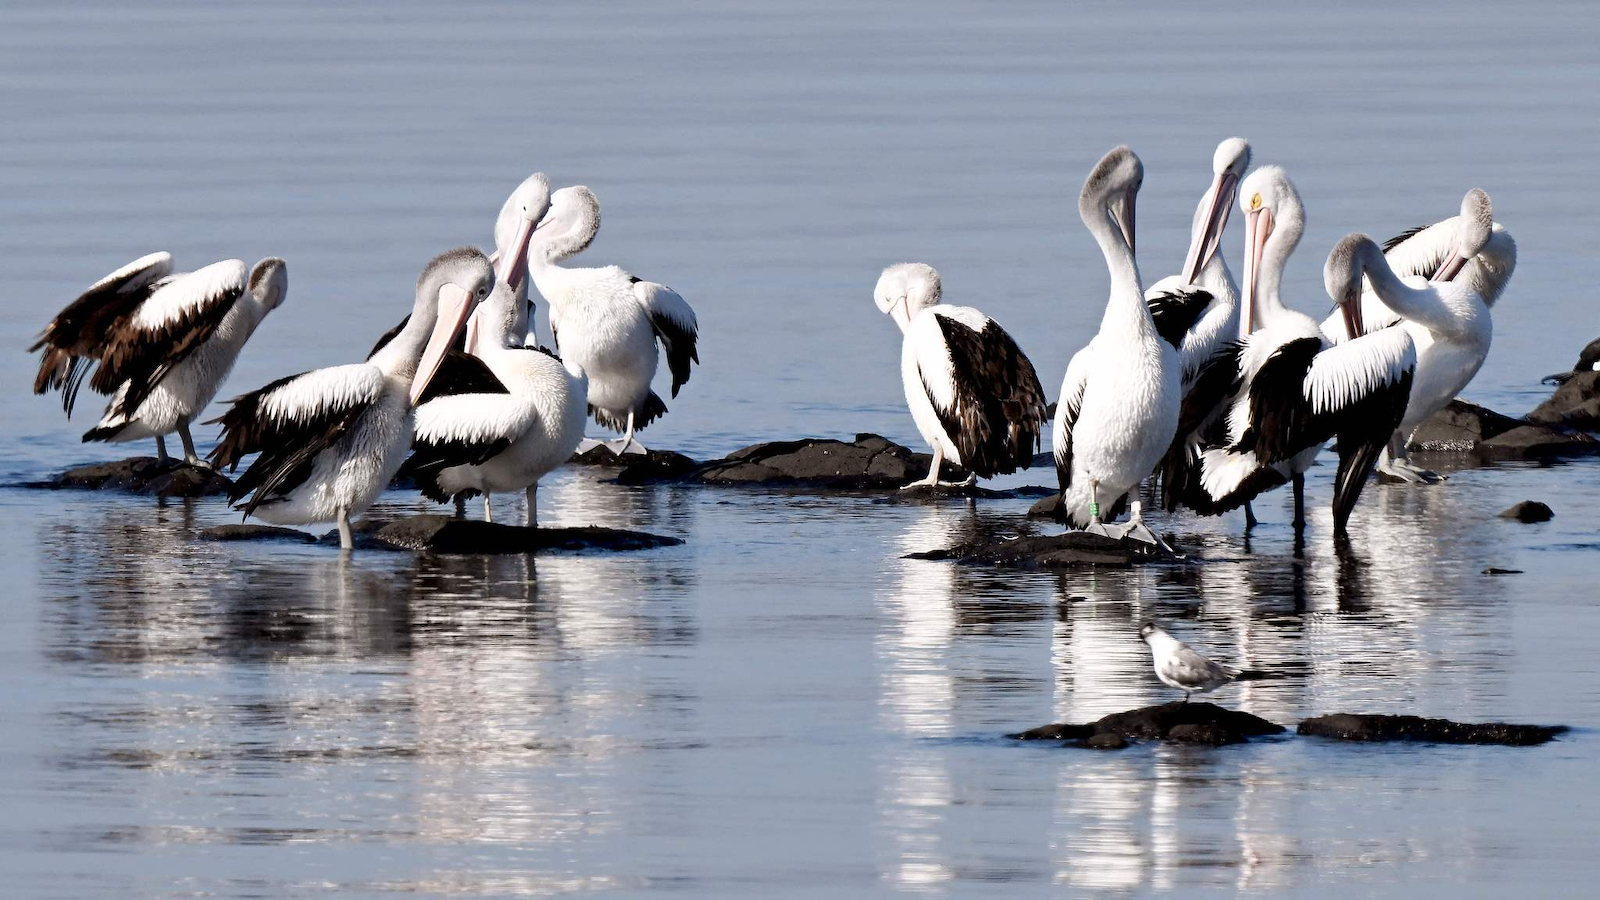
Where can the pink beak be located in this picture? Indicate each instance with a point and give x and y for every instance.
(1352, 313)
(455, 307)
(1205, 241)
(1256, 227)
(514, 266)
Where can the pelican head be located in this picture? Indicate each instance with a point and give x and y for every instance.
(1473, 229)
(569, 226)
(1342, 276)
(514, 226)
(1111, 190)
(1275, 216)
(906, 289)
(269, 282)
(448, 290)
(1228, 166)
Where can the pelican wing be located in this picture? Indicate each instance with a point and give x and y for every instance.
(1362, 388)
(461, 373)
(675, 325)
(74, 340)
(1204, 403)
(1067, 407)
(170, 325)
(984, 389)
(288, 423)
(463, 430)
(1176, 311)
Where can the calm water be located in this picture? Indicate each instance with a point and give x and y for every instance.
(782, 706)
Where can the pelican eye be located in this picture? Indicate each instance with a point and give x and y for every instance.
(1255, 201)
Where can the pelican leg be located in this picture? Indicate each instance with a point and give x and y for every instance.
(1096, 526)
(1299, 500)
(1396, 464)
(933, 471)
(161, 448)
(189, 456)
(587, 444)
(628, 444)
(461, 506)
(346, 541)
(1249, 517)
(533, 505)
(1136, 530)
(488, 508)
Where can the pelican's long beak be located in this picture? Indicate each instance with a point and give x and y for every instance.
(901, 313)
(1208, 231)
(1122, 211)
(469, 343)
(513, 267)
(1351, 307)
(1257, 225)
(1449, 269)
(455, 307)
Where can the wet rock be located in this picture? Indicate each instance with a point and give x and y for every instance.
(1355, 727)
(1575, 403)
(444, 534)
(250, 532)
(648, 468)
(927, 493)
(1071, 550)
(1529, 511)
(1496, 570)
(1107, 741)
(1462, 427)
(141, 475)
(1203, 723)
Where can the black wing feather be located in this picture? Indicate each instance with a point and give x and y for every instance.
(462, 373)
(999, 408)
(75, 339)
(144, 358)
(1217, 381)
(1176, 311)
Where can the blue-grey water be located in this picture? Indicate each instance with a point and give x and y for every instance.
(782, 706)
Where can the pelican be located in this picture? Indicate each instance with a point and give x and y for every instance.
(160, 343)
(1450, 321)
(510, 436)
(1197, 311)
(331, 439)
(975, 397)
(1118, 407)
(607, 321)
(1295, 389)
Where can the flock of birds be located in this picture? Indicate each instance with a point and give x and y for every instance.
(1218, 392)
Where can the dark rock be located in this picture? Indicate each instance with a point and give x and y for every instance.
(1072, 549)
(1496, 570)
(1354, 727)
(1462, 427)
(1107, 741)
(1575, 403)
(1204, 723)
(248, 532)
(647, 468)
(443, 534)
(142, 475)
(870, 462)
(934, 492)
(1529, 511)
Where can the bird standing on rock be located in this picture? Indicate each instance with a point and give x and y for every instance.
(1179, 666)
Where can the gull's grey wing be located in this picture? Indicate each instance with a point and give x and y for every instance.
(1190, 668)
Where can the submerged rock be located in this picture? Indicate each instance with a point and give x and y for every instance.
(1194, 723)
(1529, 511)
(444, 534)
(1462, 427)
(250, 532)
(1575, 403)
(1073, 549)
(1354, 727)
(142, 475)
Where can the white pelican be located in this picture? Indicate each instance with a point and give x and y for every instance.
(1197, 311)
(163, 343)
(975, 397)
(1449, 321)
(1293, 389)
(1118, 407)
(606, 321)
(507, 438)
(331, 439)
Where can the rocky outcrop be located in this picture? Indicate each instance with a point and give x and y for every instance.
(1529, 511)
(141, 475)
(1190, 723)
(1575, 403)
(249, 532)
(1353, 727)
(443, 534)
(1462, 427)
(1074, 549)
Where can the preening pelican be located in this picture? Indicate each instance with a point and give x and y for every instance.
(507, 438)
(331, 439)
(160, 344)
(1292, 388)
(975, 397)
(1448, 320)
(1118, 407)
(607, 322)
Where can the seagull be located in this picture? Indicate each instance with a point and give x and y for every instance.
(1177, 665)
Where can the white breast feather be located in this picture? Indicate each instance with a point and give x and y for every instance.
(188, 293)
(926, 340)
